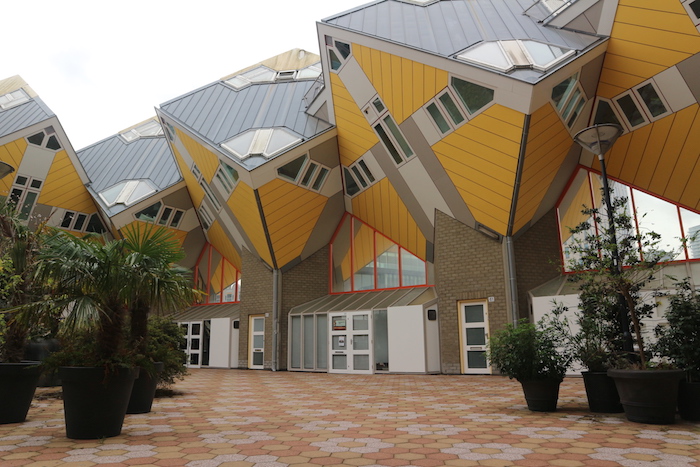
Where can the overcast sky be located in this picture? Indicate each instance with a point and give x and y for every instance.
(103, 66)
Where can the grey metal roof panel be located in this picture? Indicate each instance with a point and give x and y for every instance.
(202, 312)
(374, 300)
(218, 112)
(448, 27)
(23, 116)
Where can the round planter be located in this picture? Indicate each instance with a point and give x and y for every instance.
(601, 392)
(144, 390)
(541, 395)
(39, 350)
(95, 401)
(17, 385)
(689, 401)
(648, 396)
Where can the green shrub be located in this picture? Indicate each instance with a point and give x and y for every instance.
(165, 345)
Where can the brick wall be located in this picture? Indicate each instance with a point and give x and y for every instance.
(537, 258)
(468, 265)
(256, 299)
(304, 282)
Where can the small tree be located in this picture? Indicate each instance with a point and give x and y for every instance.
(613, 262)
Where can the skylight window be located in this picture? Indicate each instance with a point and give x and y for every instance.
(261, 74)
(508, 55)
(150, 128)
(12, 99)
(310, 72)
(266, 142)
(127, 192)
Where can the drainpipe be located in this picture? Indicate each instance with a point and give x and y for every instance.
(276, 277)
(512, 282)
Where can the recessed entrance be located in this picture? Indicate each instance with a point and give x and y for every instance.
(351, 342)
(256, 342)
(474, 324)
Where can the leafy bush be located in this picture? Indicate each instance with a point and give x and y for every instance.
(529, 352)
(164, 345)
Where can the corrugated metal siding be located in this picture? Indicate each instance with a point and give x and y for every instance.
(113, 160)
(367, 300)
(448, 27)
(218, 112)
(23, 116)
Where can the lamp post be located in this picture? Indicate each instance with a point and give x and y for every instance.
(598, 139)
(5, 169)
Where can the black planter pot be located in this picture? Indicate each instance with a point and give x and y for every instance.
(541, 395)
(648, 396)
(601, 392)
(95, 401)
(17, 385)
(39, 350)
(689, 401)
(144, 390)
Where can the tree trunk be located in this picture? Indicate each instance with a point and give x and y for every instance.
(139, 326)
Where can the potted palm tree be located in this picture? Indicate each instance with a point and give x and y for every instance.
(19, 247)
(535, 355)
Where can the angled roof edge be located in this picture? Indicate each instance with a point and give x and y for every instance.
(351, 10)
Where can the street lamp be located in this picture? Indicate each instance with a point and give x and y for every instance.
(5, 169)
(598, 139)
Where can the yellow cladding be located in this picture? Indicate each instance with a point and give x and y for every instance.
(662, 157)
(178, 235)
(206, 160)
(481, 158)
(63, 187)
(196, 191)
(382, 208)
(573, 216)
(548, 143)
(355, 136)
(364, 247)
(648, 36)
(403, 85)
(291, 213)
(218, 238)
(245, 207)
(11, 153)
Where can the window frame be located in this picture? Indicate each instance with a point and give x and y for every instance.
(24, 190)
(620, 121)
(331, 46)
(460, 102)
(446, 115)
(645, 108)
(358, 170)
(14, 101)
(208, 193)
(636, 102)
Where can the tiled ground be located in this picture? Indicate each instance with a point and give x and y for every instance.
(260, 418)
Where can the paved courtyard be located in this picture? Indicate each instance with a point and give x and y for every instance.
(261, 418)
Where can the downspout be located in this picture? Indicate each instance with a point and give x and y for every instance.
(276, 277)
(508, 241)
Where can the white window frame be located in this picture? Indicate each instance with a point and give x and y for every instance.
(359, 170)
(24, 190)
(691, 13)
(144, 130)
(640, 107)
(74, 219)
(615, 109)
(14, 98)
(445, 113)
(209, 194)
(205, 216)
(376, 117)
(332, 46)
(460, 102)
(644, 107)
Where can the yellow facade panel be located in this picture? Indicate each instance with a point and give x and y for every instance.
(677, 136)
(397, 89)
(686, 43)
(63, 187)
(485, 213)
(245, 207)
(220, 241)
(632, 66)
(620, 79)
(633, 158)
(652, 151)
(408, 95)
(205, 159)
(418, 84)
(513, 117)
(12, 152)
(658, 18)
(615, 159)
(608, 91)
(670, 6)
(355, 136)
(645, 52)
(688, 154)
(479, 172)
(196, 192)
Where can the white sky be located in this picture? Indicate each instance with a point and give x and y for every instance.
(103, 66)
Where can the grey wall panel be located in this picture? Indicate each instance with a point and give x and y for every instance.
(22, 116)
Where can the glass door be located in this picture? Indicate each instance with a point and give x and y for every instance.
(351, 342)
(473, 337)
(193, 343)
(256, 342)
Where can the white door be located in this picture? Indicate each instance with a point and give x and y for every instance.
(473, 337)
(193, 343)
(256, 342)
(351, 342)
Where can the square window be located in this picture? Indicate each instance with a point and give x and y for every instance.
(652, 100)
(629, 108)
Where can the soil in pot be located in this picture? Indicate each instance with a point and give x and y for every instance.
(95, 401)
(601, 392)
(144, 390)
(17, 386)
(689, 401)
(648, 396)
(541, 395)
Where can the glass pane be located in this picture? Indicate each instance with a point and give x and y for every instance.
(360, 322)
(387, 263)
(95, 225)
(258, 324)
(340, 362)
(472, 95)
(339, 343)
(343, 48)
(381, 340)
(634, 116)
(80, 222)
(360, 362)
(364, 257)
(451, 108)
(360, 342)
(543, 54)
(476, 336)
(196, 329)
(185, 327)
(570, 105)
(691, 224)
(290, 170)
(35, 183)
(149, 214)
(398, 136)
(570, 216)
(377, 103)
(440, 121)
(476, 359)
(280, 139)
(67, 219)
(335, 61)
(652, 100)
(351, 186)
(110, 194)
(165, 217)
(358, 176)
(318, 183)
(695, 6)
(561, 91)
(176, 218)
(341, 258)
(194, 359)
(194, 344)
(142, 190)
(258, 341)
(365, 169)
(488, 53)
(321, 341)
(309, 339)
(308, 174)
(340, 323)
(412, 269)
(295, 338)
(474, 314)
(28, 205)
(388, 144)
(657, 215)
(605, 114)
(576, 112)
(240, 145)
(257, 358)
